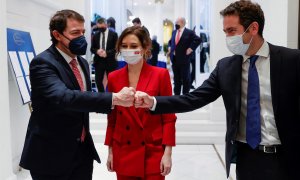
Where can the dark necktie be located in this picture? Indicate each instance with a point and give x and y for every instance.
(253, 129)
(103, 40)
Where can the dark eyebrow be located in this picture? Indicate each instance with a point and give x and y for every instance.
(229, 29)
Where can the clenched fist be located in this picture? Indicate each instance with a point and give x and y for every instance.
(143, 100)
(125, 97)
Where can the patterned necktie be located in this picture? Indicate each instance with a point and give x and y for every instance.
(103, 41)
(253, 129)
(77, 74)
(177, 37)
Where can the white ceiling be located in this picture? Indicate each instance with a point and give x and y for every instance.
(149, 4)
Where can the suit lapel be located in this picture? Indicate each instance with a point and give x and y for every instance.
(237, 67)
(65, 66)
(142, 85)
(108, 38)
(145, 77)
(182, 35)
(124, 82)
(275, 71)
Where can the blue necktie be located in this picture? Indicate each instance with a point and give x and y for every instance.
(253, 129)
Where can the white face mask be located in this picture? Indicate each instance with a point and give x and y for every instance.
(236, 45)
(131, 56)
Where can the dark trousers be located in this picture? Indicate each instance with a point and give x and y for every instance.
(100, 69)
(257, 165)
(202, 60)
(181, 78)
(193, 73)
(81, 168)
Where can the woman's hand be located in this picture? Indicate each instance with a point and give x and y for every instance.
(109, 162)
(166, 161)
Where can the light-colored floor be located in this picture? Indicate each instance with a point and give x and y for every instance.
(190, 162)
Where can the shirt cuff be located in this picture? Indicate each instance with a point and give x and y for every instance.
(154, 104)
(112, 102)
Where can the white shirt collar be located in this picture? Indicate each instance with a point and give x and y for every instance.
(65, 56)
(264, 51)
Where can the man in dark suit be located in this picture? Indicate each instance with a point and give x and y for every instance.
(103, 46)
(203, 50)
(260, 86)
(154, 51)
(58, 143)
(183, 42)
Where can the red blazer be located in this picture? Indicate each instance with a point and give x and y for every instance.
(137, 136)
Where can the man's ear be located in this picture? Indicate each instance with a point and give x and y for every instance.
(56, 35)
(254, 28)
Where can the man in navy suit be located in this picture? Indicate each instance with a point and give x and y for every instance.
(183, 42)
(260, 87)
(58, 143)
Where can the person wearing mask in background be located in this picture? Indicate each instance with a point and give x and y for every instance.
(103, 46)
(154, 51)
(111, 24)
(140, 144)
(58, 143)
(137, 22)
(260, 86)
(203, 49)
(183, 42)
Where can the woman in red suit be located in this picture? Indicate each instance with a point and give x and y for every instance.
(140, 143)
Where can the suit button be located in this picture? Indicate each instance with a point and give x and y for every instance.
(120, 112)
(143, 143)
(142, 129)
(78, 139)
(127, 128)
(128, 142)
(232, 141)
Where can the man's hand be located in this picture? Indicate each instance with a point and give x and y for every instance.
(102, 53)
(189, 51)
(99, 52)
(143, 100)
(125, 97)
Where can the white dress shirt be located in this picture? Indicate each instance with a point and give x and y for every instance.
(269, 133)
(69, 59)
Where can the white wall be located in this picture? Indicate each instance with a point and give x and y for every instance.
(5, 134)
(32, 16)
(280, 28)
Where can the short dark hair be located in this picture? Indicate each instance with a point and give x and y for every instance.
(59, 21)
(101, 20)
(141, 34)
(136, 20)
(111, 22)
(248, 13)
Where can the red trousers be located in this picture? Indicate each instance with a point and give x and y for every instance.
(147, 177)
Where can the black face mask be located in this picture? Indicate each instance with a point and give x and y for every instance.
(102, 29)
(177, 26)
(78, 45)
